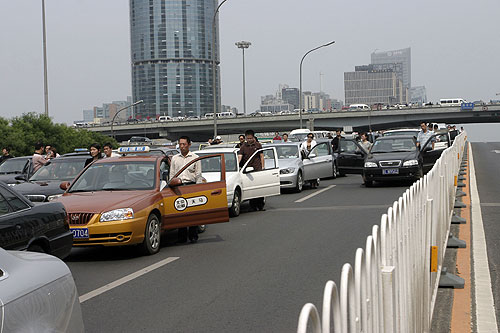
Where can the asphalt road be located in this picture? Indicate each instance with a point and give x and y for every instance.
(487, 164)
(252, 274)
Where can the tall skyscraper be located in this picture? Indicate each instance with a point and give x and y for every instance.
(172, 54)
(402, 56)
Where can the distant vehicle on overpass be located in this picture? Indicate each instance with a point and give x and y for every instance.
(452, 101)
(359, 107)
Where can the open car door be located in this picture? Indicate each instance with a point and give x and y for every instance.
(318, 163)
(429, 155)
(351, 157)
(261, 183)
(196, 204)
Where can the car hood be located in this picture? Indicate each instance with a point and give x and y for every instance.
(9, 178)
(101, 201)
(288, 162)
(43, 187)
(393, 156)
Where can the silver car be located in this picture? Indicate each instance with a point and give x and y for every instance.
(296, 170)
(37, 294)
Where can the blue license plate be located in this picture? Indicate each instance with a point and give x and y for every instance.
(390, 171)
(80, 233)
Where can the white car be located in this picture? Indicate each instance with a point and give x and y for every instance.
(244, 183)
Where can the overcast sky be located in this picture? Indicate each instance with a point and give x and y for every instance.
(455, 49)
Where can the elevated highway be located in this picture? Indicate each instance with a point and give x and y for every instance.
(359, 120)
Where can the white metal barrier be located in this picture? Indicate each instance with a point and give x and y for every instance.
(392, 287)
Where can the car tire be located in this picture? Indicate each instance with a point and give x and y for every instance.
(202, 228)
(235, 208)
(35, 248)
(151, 243)
(299, 183)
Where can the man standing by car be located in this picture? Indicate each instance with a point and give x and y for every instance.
(37, 159)
(241, 138)
(108, 151)
(190, 175)
(424, 135)
(336, 139)
(246, 151)
(5, 154)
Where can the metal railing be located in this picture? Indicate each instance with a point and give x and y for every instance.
(393, 287)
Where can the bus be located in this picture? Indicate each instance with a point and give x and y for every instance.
(452, 101)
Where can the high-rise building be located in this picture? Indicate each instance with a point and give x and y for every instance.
(291, 96)
(418, 95)
(172, 54)
(402, 56)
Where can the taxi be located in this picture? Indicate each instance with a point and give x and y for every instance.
(130, 200)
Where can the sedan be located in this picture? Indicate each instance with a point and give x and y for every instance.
(37, 294)
(15, 170)
(25, 226)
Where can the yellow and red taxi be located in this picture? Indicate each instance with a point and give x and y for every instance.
(130, 200)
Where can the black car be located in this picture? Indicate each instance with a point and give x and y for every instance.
(44, 184)
(390, 158)
(26, 226)
(15, 169)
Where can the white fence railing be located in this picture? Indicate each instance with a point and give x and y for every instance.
(393, 287)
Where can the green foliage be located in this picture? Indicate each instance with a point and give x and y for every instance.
(21, 134)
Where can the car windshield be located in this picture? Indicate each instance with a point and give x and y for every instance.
(116, 176)
(285, 151)
(13, 166)
(401, 133)
(59, 170)
(213, 165)
(299, 136)
(393, 145)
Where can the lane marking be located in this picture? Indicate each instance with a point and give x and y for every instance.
(485, 307)
(315, 193)
(126, 279)
(292, 209)
(490, 204)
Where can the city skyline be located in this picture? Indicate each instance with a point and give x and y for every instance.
(89, 50)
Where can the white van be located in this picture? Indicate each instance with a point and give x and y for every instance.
(359, 107)
(164, 118)
(452, 101)
(208, 115)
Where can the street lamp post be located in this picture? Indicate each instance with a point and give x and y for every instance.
(44, 47)
(214, 63)
(243, 45)
(300, 79)
(124, 108)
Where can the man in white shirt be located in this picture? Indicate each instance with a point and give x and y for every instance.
(108, 151)
(190, 175)
(424, 135)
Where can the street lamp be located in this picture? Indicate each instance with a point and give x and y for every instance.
(44, 47)
(243, 45)
(124, 108)
(300, 92)
(214, 63)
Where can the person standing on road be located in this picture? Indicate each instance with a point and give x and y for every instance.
(336, 140)
(95, 153)
(5, 154)
(364, 142)
(424, 135)
(277, 137)
(190, 175)
(308, 145)
(241, 138)
(108, 151)
(257, 163)
(285, 137)
(38, 159)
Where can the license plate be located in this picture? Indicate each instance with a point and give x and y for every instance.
(390, 171)
(80, 233)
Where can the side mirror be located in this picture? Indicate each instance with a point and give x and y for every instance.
(164, 175)
(174, 182)
(249, 169)
(64, 186)
(311, 156)
(21, 177)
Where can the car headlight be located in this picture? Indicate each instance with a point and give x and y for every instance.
(370, 165)
(53, 197)
(410, 163)
(287, 171)
(117, 215)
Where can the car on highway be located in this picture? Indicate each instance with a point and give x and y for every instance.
(402, 132)
(44, 184)
(16, 170)
(33, 227)
(297, 169)
(243, 183)
(37, 294)
(390, 158)
(130, 200)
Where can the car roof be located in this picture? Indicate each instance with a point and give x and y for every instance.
(69, 157)
(403, 130)
(283, 144)
(392, 137)
(217, 150)
(133, 158)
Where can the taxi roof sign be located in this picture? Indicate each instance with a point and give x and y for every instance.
(135, 149)
(77, 150)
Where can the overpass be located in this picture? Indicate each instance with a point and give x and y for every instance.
(202, 129)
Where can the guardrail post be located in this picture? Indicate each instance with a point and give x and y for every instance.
(309, 311)
(388, 285)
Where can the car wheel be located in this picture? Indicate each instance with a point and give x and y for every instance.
(300, 182)
(334, 173)
(35, 248)
(236, 205)
(151, 243)
(202, 228)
